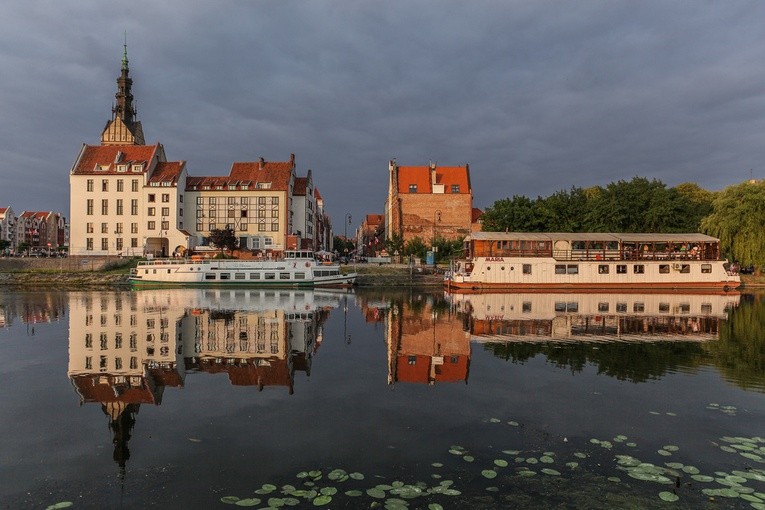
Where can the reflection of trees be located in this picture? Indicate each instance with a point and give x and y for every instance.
(634, 361)
(740, 352)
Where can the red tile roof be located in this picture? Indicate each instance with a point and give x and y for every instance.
(278, 174)
(476, 215)
(300, 186)
(316, 193)
(168, 171)
(3, 209)
(421, 176)
(102, 159)
(103, 388)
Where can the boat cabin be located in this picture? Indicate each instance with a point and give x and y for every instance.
(593, 246)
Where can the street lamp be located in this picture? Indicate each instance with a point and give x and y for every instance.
(347, 222)
(436, 217)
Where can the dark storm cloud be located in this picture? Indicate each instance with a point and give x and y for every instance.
(536, 96)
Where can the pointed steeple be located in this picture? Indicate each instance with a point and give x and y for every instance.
(123, 128)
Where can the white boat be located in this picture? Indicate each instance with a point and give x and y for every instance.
(593, 261)
(296, 269)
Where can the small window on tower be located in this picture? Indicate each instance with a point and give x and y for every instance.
(412, 188)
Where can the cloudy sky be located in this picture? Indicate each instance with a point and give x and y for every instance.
(536, 96)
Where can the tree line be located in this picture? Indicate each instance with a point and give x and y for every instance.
(735, 215)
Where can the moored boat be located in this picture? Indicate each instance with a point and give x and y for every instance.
(590, 261)
(297, 268)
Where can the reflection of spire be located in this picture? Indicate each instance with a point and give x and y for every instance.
(121, 422)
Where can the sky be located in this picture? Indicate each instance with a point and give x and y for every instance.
(535, 96)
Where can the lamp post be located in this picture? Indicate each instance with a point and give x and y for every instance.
(436, 216)
(345, 231)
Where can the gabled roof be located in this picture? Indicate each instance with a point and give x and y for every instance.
(3, 209)
(277, 174)
(40, 215)
(475, 215)
(421, 176)
(167, 172)
(103, 159)
(317, 194)
(300, 186)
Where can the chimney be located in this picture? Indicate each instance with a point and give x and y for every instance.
(261, 163)
(292, 159)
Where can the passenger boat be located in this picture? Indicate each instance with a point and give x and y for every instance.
(590, 261)
(296, 269)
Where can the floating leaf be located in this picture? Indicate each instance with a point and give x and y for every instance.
(572, 465)
(551, 472)
(500, 463)
(513, 423)
(356, 476)
(291, 501)
(275, 502)
(670, 448)
(580, 455)
(328, 491)
(321, 500)
(468, 458)
(546, 459)
(702, 478)
(435, 506)
(674, 465)
(531, 460)
(527, 472)
(60, 504)
(671, 414)
(665, 453)
(376, 493)
(489, 473)
(353, 493)
(494, 420)
(492, 489)
(631, 445)
(225, 499)
(691, 470)
(248, 502)
(668, 496)
(435, 465)
(614, 479)
(511, 452)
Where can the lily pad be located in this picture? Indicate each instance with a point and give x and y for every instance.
(546, 459)
(248, 502)
(489, 473)
(500, 462)
(668, 496)
(551, 472)
(494, 420)
(353, 493)
(702, 478)
(513, 423)
(468, 458)
(322, 500)
(376, 493)
(435, 506)
(60, 504)
(225, 499)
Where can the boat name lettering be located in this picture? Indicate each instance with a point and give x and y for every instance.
(494, 317)
(495, 259)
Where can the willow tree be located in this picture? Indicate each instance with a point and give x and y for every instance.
(738, 220)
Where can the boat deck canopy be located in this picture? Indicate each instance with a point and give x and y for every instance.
(593, 236)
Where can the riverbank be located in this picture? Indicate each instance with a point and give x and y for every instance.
(369, 276)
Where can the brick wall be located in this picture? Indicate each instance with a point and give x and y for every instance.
(419, 211)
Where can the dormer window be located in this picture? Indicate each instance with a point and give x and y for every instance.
(455, 188)
(122, 168)
(137, 167)
(263, 185)
(412, 188)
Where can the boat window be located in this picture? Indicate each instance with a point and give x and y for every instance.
(706, 308)
(621, 307)
(603, 307)
(572, 306)
(209, 276)
(284, 276)
(239, 276)
(621, 269)
(685, 268)
(685, 308)
(638, 269)
(638, 307)
(706, 268)
(526, 268)
(526, 307)
(270, 276)
(300, 276)
(560, 306)
(572, 269)
(663, 307)
(225, 276)
(334, 273)
(254, 276)
(663, 268)
(560, 268)
(603, 269)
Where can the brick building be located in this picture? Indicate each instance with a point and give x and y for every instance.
(428, 202)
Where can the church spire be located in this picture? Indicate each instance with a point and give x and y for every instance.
(124, 128)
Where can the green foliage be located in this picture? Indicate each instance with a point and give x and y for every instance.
(395, 244)
(737, 220)
(638, 205)
(447, 248)
(740, 352)
(343, 245)
(224, 238)
(4, 244)
(416, 247)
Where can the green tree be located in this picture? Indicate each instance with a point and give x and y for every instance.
(517, 214)
(563, 211)
(4, 244)
(416, 247)
(395, 244)
(737, 220)
(224, 238)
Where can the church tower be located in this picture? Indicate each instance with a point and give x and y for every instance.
(123, 128)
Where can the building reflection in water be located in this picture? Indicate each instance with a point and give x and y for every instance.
(126, 348)
(593, 317)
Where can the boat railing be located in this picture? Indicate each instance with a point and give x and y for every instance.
(200, 260)
(611, 255)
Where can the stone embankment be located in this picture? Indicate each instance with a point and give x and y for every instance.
(67, 274)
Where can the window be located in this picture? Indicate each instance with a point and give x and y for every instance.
(560, 268)
(685, 268)
(603, 307)
(119, 207)
(118, 228)
(165, 197)
(90, 185)
(663, 307)
(134, 185)
(663, 268)
(621, 307)
(89, 207)
(621, 269)
(706, 308)
(152, 211)
(165, 211)
(105, 185)
(134, 207)
(412, 188)
(134, 228)
(572, 269)
(104, 228)
(638, 307)
(526, 268)
(89, 244)
(165, 225)
(104, 207)
(526, 307)
(134, 242)
(119, 244)
(638, 269)
(152, 197)
(603, 269)
(706, 268)
(120, 185)
(152, 225)
(104, 244)
(455, 188)
(89, 228)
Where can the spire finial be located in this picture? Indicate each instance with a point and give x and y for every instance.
(124, 54)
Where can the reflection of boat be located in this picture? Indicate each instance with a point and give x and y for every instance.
(569, 316)
(525, 261)
(296, 269)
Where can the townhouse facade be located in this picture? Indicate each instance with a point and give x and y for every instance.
(428, 202)
(8, 230)
(128, 199)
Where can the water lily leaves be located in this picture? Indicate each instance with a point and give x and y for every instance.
(691, 470)
(572, 465)
(511, 452)
(614, 479)
(513, 423)
(230, 500)
(328, 491)
(664, 453)
(468, 458)
(353, 493)
(702, 478)
(291, 501)
(500, 463)
(551, 472)
(631, 444)
(546, 459)
(248, 502)
(531, 460)
(357, 476)
(674, 465)
(435, 465)
(494, 420)
(435, 506)
(489, 473)
(668, 496)
(322, 500)
(580, 455)
(275, 502)
(376, 493)
(670, 448)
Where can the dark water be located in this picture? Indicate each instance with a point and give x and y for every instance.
(180, 398)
